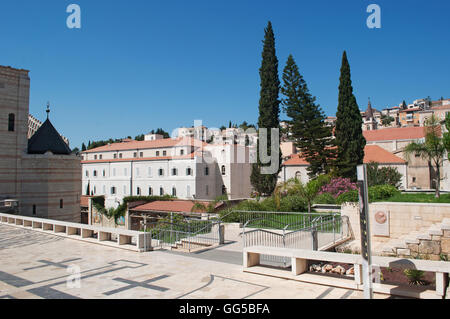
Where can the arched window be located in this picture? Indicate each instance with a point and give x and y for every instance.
(188, 171)
(161, 172)
(223, 170)
(298, 175)
(206, 171)
(11, 119)
(174, 191)
(138, 191)
(224, 190)
(161, 191)
(174, 172)
(150, 191)
(188, 191)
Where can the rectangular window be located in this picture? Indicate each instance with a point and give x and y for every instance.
(61, 202)
(113, 190)
(115, 156)
(135, 154)
(141, 154)
(11, 119)
(120, 155)
(164, 153)
(95, 157)
(34, 209)
(137, 171)
(157, 153)
(100, 156)
(149, 171)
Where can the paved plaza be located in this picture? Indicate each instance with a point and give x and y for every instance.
(38, 265)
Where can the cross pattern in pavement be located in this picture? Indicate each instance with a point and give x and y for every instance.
(134, 284)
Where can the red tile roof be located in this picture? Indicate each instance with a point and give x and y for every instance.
(181, 206)
(372, 153)
(396, 133)
(375, 153)
(135, 145)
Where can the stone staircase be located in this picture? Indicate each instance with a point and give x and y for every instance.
(432, 243)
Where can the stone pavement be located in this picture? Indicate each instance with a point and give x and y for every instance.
(37, 265)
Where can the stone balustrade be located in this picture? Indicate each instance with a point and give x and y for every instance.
(112, 237)
(300, 260)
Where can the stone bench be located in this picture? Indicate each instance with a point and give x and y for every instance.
(125, 239)
(301, 259)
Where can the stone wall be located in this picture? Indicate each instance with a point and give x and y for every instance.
(404, 219)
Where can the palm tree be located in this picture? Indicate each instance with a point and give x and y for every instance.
(210, 208)
(308, 191)
(432, 150)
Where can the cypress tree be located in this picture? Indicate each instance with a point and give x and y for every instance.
(309, 130)
(349, 137)
(83, 147)
(269, 112)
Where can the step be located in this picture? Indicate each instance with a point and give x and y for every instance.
(399, 244)
(435, 231)
(423, 237)
(412, 240)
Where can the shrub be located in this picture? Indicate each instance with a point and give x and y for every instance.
(383, 176)
(350, 196)
(415, 277)
(325, 198)
(381, 192)
(292, 203)
(338, 186)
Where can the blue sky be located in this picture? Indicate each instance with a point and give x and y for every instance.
(139, 65)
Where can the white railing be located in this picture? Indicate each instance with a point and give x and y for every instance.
(112, 237)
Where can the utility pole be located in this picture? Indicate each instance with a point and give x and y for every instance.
(366, 253)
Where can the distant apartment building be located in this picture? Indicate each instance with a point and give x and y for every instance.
(40, 172)
(183, 167)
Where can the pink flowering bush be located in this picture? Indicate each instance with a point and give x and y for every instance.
(338, 186)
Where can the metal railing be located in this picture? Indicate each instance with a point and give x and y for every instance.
(322, 231)
(272, 220)
(188, 235)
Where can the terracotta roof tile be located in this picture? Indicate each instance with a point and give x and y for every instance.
(372, 153)
(397, 133)
(181, 206)
(134, 145)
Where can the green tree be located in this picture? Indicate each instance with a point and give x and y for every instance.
(308, 127)
(447, 135)
(386, 120)
(83, 147)
(308, 191)
(348, 131)
(432, 150)
(383, 175)
(269, 112)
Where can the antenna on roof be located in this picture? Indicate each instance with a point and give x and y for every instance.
(48, 109)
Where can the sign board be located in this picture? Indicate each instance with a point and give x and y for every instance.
(380, 223)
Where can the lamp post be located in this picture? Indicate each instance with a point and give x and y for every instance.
(366, 253)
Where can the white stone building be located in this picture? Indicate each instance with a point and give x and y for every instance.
(182, 167)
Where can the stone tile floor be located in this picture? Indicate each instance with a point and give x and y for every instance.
(37, 265)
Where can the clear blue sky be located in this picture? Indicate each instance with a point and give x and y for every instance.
(139, 65)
